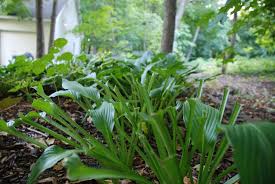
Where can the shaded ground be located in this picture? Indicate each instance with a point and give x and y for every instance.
(257, 96)
(17, 157)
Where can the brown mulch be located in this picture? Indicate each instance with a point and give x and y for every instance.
(256, 96)
(17, 157)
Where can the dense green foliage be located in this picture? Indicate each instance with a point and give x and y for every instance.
(258, 66)
(120, 26)
(14, 7)
(259, 16)
(24, 73)
(142, 104)
(135, 105)
(125, 26)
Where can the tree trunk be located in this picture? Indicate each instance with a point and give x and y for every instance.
(89, 49)
(189, 53)
(53, 18)
(39, 29)
(180, 12)
(233, 43)
(168, 32)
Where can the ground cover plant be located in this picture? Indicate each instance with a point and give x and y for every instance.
(145, 91)
(144, 117)
(23, 73)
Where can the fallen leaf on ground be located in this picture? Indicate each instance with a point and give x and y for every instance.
(52, 180)
(187, 180)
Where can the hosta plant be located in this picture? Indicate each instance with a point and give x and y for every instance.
(180, 132)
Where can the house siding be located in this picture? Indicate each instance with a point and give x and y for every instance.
(18, 37)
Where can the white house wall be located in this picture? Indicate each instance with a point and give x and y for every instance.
(18, 37)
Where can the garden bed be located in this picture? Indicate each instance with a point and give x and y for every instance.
(17, 157)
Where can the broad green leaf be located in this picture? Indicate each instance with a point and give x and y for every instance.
(204, 123)
(48, 159)
(77, 171)
(51, 71)
(39, 66)
(54, 50)
(48, 107)
(82, 57)
(40, 91)
(32, 114)
(47, 58)
(18, 87)
(254, 151)
(66, 56)
(103, 118)
(65, 93)
(62, 69)
(60, 43)
(3, 126)
(88, 92)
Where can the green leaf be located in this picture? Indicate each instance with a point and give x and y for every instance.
(38, 67)
(10, 129)
(48, 159)
(65, 93)
(66, 56)
(54, 50)
(82, 57)
(146, 70)
(77, 171)
(3, 126)
(62, 69)
(51, 71)
(254, 151)
(40, 91)
(60, 43)
(48, 107)
(204, 123)
(88, 92)
(103, 118)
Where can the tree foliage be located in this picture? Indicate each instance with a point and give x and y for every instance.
(259, 15)
(120, 25)
(14, 7)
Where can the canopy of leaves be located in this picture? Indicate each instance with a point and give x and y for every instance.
(257, 14)
(14, 7)
(120, 26)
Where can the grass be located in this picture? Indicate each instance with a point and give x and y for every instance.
(261, 67)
